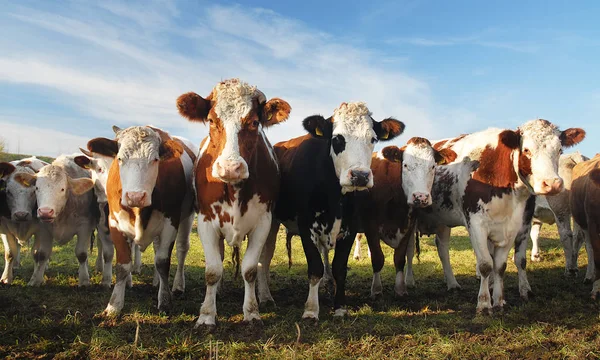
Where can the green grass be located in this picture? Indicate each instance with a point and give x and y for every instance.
(10, 157)
(59, 320)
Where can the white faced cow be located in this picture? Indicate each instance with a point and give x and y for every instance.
(497, 203)
(236, 179)
(149, 192)
(65, 207)
(316, 171)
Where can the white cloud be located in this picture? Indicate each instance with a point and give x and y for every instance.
(118, 77)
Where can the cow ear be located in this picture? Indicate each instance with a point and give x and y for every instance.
(169, 149)
(80, 186)
(103, 146)
(388, 129)
(572, 136)
(511, 139)
(392, 153)
(318, 126)
(6, 169)
(193, 106)
(275, 111)
(116, 129)
(444, 156)
(26, 179)
(83, 162)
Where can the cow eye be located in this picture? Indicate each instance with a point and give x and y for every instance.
(433, 167)
(527, 152)
(63, 189)
(405, 166)
(373, 140)
(255, 123)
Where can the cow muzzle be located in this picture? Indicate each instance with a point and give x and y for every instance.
(551, 186)
(420, 199)
(231, 171)
(21, 216)
(359, 178)
(137, 199)
(46, 214)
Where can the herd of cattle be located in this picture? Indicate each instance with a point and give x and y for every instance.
(145, 186)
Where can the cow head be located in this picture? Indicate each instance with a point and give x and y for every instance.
(19, 198)
(419, 160)
(539, 144)
(53, 187)
(99, 165)
(237, 112)
(138, 151)
(352, 134)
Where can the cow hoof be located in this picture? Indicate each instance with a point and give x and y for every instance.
(84, 283)
(536, 258)
(410, 283)
(340, 313)
(526, 296)
(376, 295)
(106, 284)
(34, 283)
(588, 281)
(454, 287)
(310, 316)
(177, 293)
(571, 273)
(5, 281)
(110, 312)
(206, 322)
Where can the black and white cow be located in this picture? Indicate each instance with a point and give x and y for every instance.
(318, 171)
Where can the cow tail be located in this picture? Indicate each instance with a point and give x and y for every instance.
(235, 259)
(288, 246)
(418, 245)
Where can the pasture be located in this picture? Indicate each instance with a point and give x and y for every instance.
(60, 320)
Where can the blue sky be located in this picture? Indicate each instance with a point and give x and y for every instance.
(71, 69)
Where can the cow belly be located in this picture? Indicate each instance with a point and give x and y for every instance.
(392, 238)
(134, 229)
(232, 224)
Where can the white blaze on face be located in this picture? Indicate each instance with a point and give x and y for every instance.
(352, 143)
(233, 102)
(540, 142)
(138, 159)
(51, 190)
(20, 198)
(418, 172)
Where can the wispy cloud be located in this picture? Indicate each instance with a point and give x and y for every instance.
(101, 68)
(473, 40)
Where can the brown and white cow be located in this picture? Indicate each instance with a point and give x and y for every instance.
(149, 192)
(402, 178)
(320, 173)
(236, 179)
(66, 207)
(585, 207)
(498, 202)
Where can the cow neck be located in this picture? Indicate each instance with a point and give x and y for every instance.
(387, 180)
(497, 167)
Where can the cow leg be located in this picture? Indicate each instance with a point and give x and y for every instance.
(327, 275)
(123, 271)
(106, 251)
(99, 266)
(594, 240)
(566, 237)
(256, 242)
(340, 270)
(264, 276)
(400, 262)
(212, 273)
(377, 261)
(137, 260)
(521, 261)
(500, 258)
(357, 248)
(410, 254)
(163, 248)
(479, 241)
(42, 249)
(535, 233)
(222, 253)
(183, 246)
(81, 251)
(442, 241)
(315, 272)
(17, 260)
(10, 252)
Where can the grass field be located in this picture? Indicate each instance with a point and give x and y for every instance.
(59, 320)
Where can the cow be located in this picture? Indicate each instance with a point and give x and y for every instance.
(319, 172)
(585, 207)
(402, 178)
(149, 193)
(496, 205)
(31, 162)
(236, 178)
(65, 207)
(555, 209)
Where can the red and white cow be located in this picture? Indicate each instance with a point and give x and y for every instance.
(236, 179)
(66, 207)
(402, 178)
(149, 192)
(497, 203)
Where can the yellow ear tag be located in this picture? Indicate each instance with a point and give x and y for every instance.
(318, 132)
(269, 116)
(26, 183)
(385, 136)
